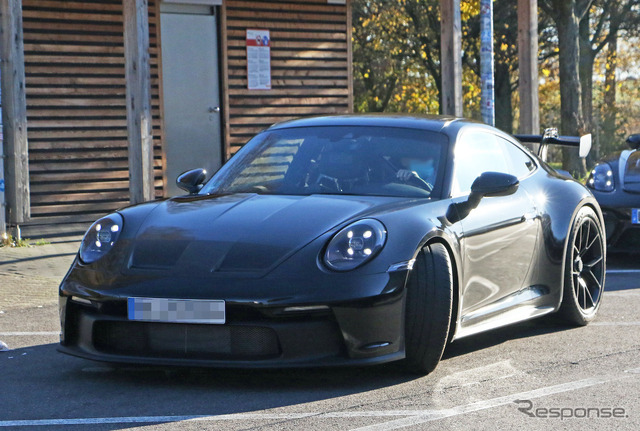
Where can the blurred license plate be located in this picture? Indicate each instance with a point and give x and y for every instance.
(634, 216)
(176, 310)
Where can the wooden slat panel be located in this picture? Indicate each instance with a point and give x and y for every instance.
(292, 92)
(53, 15)
(49, 177)
(287, 14)
(38, 156)
(289, 101)
(307, 6)
(78, 187)
(280, 83)
(286, 111)
(103, 6)
(288, 44)
(76, 106)
(66, 123)
(287, 25)
(122, 195)
(305, 53)
(77, 208)
(237, 64)
(309, 64)
(289, 35)
(80, 165)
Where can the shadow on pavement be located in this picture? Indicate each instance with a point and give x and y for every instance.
(40, 383)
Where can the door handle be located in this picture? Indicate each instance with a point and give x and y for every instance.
(214, 109)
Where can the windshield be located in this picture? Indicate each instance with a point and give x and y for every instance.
(380, 161)
(632, 172)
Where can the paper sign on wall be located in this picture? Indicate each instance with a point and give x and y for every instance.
(258, 60)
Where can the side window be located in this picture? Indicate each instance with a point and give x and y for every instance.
(477, 152)
(520, 163)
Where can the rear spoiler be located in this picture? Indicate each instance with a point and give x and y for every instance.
(583, 143)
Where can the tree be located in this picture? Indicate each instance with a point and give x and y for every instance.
(379, 56)
(567, 15)
(396, 56)
(599, 29)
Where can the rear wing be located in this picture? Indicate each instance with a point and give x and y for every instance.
(550, 137)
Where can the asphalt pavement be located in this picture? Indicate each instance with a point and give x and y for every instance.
(535, 375)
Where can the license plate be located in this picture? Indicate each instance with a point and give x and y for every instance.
(634, 216)
(176, 310)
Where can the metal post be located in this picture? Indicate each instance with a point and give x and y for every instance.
(3, 207)
(487, 96)
(451, 57)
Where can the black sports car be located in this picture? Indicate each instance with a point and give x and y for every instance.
(615, 182)
(339, 240)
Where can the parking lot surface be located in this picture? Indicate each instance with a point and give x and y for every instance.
(534, 375)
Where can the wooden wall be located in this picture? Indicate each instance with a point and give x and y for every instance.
(310, 64)
(77, 123)
(76, 92)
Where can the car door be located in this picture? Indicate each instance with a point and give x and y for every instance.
(498, 236)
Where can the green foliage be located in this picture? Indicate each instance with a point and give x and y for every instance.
(390, 50)
(11, 241)
(396, 56)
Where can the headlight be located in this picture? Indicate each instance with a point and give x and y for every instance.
(355, 244)
(601, 178)
(100, 238)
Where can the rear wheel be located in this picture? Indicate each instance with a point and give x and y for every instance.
(584, 269)
(428, 309)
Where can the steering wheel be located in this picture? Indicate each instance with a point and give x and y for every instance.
(419, 182)
(328, 183)
(415, 179)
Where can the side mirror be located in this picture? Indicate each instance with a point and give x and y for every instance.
(488, 184)
(491, 184)
(633, 141)
(192, 181)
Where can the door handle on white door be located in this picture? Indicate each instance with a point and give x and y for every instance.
(214, 109)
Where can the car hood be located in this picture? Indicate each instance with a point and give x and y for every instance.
(243, 233)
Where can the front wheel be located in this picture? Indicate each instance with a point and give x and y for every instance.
(584, 269)
(428, 309)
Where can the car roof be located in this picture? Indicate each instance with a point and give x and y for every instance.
(435, 123)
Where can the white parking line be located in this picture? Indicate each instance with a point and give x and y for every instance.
(408, 417)
(429, 416)
(28, 334)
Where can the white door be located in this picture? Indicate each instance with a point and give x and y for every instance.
(191, 93)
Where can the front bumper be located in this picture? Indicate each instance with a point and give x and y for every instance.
(358, 330)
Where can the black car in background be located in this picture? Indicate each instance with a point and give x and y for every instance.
(338, 241)
(615, 182)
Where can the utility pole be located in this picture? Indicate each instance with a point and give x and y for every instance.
(3, 207)
(451, 57)
(487, 95)
(528, 66)
(14, 116)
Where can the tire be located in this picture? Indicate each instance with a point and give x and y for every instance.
(428, 309)
(584, 269)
